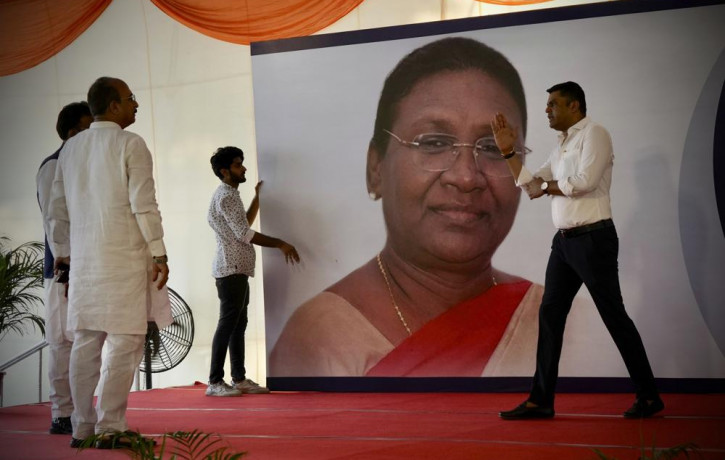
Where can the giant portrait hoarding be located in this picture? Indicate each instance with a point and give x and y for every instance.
(653, 77)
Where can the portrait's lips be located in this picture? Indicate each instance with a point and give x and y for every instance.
(459, 214)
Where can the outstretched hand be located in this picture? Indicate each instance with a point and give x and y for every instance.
(290, 253)
(258, 187)
(504, 135)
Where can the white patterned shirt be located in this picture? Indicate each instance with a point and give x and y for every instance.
(228, 218)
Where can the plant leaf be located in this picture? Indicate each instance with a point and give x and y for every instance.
(21, 282)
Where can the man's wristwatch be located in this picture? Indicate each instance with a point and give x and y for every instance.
(161, 259)
(545, 187)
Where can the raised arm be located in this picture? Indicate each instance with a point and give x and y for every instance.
(254, 205)
(506, 136)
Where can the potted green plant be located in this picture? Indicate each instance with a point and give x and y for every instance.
(21, 281)
(21, 278)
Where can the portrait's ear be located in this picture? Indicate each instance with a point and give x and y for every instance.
(372, 171)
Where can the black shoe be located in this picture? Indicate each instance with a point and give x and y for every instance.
(123, 440)
(522, 412)
(61, 425)
(76, 443)
(644, 408)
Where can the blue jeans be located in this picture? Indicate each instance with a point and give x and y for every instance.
(233, 292)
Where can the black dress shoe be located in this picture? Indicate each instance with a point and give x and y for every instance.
(61, 425)
(643, 408)
(522, 412)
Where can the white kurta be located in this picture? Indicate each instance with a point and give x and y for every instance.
(56, 305)
(103, 213)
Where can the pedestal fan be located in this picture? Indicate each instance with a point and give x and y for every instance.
(174, 340)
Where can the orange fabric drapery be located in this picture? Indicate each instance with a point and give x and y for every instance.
(32, 31)
(245, 21)
(513, 2)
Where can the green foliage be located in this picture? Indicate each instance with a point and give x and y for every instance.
(198, 445)
(179, 445)
(21, 276)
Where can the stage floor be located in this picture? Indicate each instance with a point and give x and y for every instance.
(309, 425)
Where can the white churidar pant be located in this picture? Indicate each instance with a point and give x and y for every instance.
(60, 341)
(123, 356)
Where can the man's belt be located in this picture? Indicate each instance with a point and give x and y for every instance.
(576, 231)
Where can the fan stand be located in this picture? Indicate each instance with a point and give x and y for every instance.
(147, 363)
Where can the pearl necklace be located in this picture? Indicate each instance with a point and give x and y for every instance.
(392, 298)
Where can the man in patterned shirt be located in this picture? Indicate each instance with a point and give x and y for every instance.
(233, 265)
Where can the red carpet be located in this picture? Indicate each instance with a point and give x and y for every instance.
(317, 426)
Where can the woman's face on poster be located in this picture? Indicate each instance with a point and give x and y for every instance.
(459, 215)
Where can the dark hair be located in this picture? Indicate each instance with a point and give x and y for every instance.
(70, 116)
(223, 159)
(572, 92)
(101, 93)
(448, 54)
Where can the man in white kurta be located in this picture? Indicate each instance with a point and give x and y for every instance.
(72, 119)
(105, 221)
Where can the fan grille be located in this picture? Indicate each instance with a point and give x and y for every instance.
(176, 338)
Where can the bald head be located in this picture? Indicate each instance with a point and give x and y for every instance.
(111, 99)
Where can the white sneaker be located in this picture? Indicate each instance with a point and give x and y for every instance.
(250, 386)
(222, 389)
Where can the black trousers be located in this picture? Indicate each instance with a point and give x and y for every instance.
(589, 258)
(233, 294)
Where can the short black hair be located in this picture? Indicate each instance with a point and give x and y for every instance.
(572, 92)
(223, 159)
(101, 93)
(70, 116)
(447, 54)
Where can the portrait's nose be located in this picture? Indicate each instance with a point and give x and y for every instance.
(464, 174)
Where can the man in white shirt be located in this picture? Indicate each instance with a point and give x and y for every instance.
(72, 119)
(234, 263)
(105, 223)
(578, 176)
